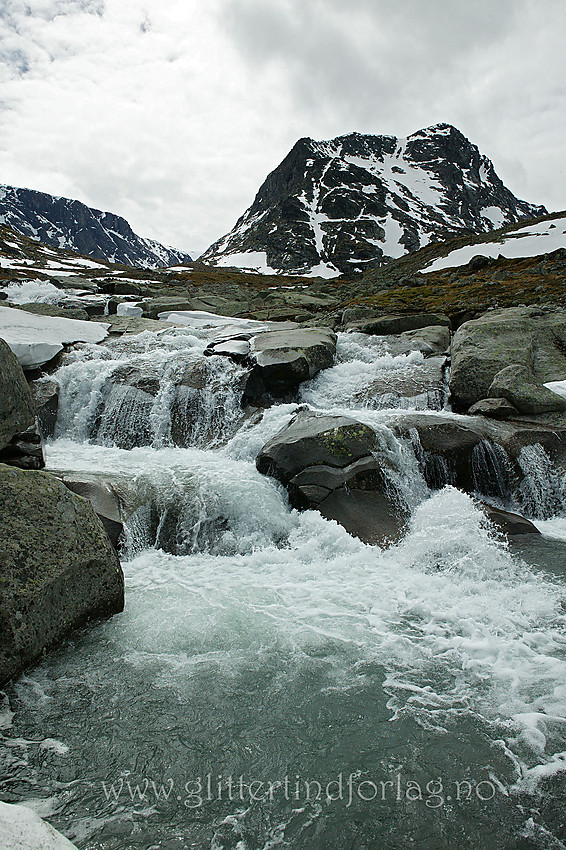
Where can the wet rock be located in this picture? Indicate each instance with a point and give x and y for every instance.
(17, 410)
(24, 450)
(383, 325)
(475, 453)
(497, 408)
(518, 385)
(341, 468)
(431, 340)
(508, 522)
(281, 360)
(112, 496)
(43, 598)
(533, 337)
(46, 397)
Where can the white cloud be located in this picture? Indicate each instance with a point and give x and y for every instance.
(172, 114)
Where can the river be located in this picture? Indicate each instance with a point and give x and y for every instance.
(274, 682)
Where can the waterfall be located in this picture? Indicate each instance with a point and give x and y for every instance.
(492, 471)
(542, 492)
(167, 395)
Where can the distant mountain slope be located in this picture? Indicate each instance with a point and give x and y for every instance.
(532, 240)
(64, 223)
(358, 201)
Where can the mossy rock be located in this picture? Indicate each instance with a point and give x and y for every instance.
(58, 568)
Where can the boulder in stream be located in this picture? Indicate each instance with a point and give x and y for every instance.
(340, 467)
(532, 337)
(58, 568)
(519, 386)
(17, 409)
(279, 359)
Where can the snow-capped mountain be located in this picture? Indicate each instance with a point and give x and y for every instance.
(359, 201)
(65, 223)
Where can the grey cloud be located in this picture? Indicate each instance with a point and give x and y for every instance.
(20, 47)
(357, 56)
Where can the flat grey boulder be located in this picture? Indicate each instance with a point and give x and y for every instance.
(534, 337)
(340, 467)
(55, 310)
(384, 325)
(431, 340)
(58, 568)
(497, 408)
(17, 409)
(279, 359)
(518, 385)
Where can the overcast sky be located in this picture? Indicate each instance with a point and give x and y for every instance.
(172, 112)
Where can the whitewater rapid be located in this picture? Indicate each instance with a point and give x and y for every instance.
(269, 642)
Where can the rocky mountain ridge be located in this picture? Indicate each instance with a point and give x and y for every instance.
(66, 223)
(359, 201)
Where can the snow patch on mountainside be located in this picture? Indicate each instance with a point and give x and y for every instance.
(528, 241)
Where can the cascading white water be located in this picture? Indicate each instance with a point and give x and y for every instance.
(542, 491)
(151, 389)
(266, 643)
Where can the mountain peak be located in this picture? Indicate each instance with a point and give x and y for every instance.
(66, 223)
(360, 200)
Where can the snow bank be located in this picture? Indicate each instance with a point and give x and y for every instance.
(22, 829)
(37, 339)
(529, 241)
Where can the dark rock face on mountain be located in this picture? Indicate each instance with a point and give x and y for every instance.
(65, 223)
(358, 201)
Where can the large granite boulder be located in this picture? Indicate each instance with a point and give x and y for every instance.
(518, 385)
(58, 568)
(279, 359)
(341, 468)
(533, 337)
(431, 340)
(154, 306)
(17, 409)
